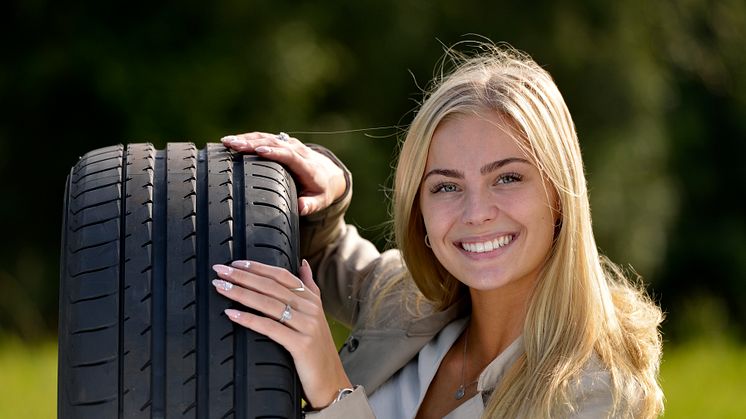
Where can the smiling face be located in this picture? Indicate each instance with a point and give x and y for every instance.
(485, 204)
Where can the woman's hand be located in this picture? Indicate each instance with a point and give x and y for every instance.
(321, 181)
(294, 319)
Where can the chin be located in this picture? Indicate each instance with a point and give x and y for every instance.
(486, 282)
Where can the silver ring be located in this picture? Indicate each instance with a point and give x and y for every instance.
(287, 314)
(283, 137)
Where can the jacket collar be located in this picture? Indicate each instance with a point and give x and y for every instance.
(372, 356)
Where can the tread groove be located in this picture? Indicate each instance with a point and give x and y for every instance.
(94, 329)
(96, 172)
(95, 188)
(93, 298)
(91, 246)
(93, 223)
(95, 363)
(97, 204)
(90, 271)
(270, 178)
(272, 246)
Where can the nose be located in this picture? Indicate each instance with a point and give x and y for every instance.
(479, 208)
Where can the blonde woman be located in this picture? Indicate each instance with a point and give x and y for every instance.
(496, 303)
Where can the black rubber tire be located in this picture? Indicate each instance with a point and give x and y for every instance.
(142, 332)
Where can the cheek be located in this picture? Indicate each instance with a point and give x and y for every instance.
(544, 227)
(536, 214)
(432, 215)
(433, 222)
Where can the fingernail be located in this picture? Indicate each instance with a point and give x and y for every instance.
(263, 149)
(228, 138)
(222, 269)
(223, 285)
(304, 263)
(304, 210)
(243, 264)
(238, 143)
(233, 314)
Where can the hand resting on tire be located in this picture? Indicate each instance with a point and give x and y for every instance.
(294, 319)
(321, 181)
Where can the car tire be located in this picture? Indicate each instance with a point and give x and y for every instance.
(142, 332)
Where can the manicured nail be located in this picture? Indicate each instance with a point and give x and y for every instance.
(228, 138)
(263, 149)
(222, 269)
(242, 264)
(305, 209)
(233, 314)
(223, 285)
(239, 143)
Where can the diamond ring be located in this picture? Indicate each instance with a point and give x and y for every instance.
(283, 137)
(286, 315)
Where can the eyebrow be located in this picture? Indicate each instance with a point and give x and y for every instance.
(486, 169)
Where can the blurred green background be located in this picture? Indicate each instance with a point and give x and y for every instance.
(657, 90)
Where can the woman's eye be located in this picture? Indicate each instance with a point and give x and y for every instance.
(444, 187)
(509, 178)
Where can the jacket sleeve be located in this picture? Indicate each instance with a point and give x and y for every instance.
(341, 260)
(593, 398)
(355, 405)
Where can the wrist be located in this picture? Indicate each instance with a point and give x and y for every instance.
(336, 397)
(334, 394)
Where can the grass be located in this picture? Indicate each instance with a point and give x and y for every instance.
(28, 379)
(704, 380)
(700, 380)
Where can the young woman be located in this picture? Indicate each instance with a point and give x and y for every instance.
(496, 303)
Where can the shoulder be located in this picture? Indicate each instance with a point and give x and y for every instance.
(592, 392)
(393, 301)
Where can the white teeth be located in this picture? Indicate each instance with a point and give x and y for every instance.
(487, 246)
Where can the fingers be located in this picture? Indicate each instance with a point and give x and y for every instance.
(285, 336)
(295, 155)
(272, 308)
(264, 274)
(267, 283)
(264, 289)
(250, 141)
(307, 277)
(308, 205)
(320, 179)
(279, 275)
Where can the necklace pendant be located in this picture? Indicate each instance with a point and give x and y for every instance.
(460, 391)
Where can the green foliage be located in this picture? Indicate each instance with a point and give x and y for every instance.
(657, 90)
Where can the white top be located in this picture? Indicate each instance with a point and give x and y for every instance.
(400, 397)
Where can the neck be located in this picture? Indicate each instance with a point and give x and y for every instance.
(497, 318)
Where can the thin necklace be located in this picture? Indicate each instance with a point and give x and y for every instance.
(461, 390)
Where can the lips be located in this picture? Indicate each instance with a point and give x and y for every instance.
(488, 245)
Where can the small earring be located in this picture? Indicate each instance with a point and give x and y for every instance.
(427, 241)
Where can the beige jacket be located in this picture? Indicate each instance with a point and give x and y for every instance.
(371, 293)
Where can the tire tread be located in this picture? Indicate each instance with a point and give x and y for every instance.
(142, 333)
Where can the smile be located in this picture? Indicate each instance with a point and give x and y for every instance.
(487, 246)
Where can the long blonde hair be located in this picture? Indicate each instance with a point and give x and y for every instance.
(583, 307)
